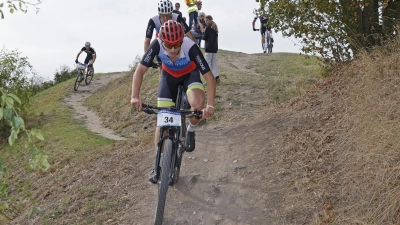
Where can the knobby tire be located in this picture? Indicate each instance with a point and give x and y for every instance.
(89, 77)
(164, 183)
(268, 41)
(78, 80)
(181, 148)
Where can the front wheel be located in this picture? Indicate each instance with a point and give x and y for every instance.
(89, 76)
(78, 80)
(164, 183)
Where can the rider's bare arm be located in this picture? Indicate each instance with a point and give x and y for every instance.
(136, 84)
(211, 86)
(254, 23)
(146, 44)
(149, 34)
(79, 53)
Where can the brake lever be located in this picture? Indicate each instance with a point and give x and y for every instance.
(196, 114)
(149, 111)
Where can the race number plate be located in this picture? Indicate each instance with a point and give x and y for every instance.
(167, 117)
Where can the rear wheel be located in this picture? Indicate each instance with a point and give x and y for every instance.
(164, 183)
(78, 80)
(269, 44)
(89, 76)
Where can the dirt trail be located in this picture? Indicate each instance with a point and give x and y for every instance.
(92, 121)
(219, 183)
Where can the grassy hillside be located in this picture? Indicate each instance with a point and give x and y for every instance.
(333, 158)
(250, 83)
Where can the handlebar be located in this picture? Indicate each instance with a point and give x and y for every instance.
(149, 109)
(256, 30)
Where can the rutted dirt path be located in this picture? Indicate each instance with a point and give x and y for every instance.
(219, 182)
(92, 121)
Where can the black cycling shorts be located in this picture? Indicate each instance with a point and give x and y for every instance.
(87, 59)
(264, 28)
(168, 86)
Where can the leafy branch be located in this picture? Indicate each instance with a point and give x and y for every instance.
(9, 113)
(15, 5)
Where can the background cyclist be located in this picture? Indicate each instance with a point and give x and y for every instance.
(263, 27)
(182, 63)
(90, 57)
(165, 8)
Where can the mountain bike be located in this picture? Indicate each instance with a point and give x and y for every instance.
(172, 123)
(268, 42)
(88, 76)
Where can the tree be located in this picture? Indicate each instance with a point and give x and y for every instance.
(13, 67)
(65, 73)
(14, 5)
(335, 29)
(9, 112)
(14, 72)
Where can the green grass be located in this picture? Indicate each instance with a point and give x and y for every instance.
(66, 140)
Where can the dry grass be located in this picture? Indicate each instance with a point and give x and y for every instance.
(343, 155)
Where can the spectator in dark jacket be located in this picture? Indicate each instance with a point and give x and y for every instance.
(210, 36)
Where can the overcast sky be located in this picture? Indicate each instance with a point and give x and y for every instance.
(116, 29)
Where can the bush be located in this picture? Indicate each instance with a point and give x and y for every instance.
(65, 73)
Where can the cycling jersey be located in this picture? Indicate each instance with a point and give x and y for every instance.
(155, 23)
(191, 58)
(89, 55)
(89, 52)
(263, 20)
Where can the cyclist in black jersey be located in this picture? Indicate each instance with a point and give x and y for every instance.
(182, 62)
(263, 28)
(165, 13)
(165, 8)
(90, 57)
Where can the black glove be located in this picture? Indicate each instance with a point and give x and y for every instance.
(272, 40)
(76, 61)
(254, 29)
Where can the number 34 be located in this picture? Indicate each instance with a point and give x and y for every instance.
(168, 119)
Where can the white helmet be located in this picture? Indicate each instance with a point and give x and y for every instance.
(87, 43)
(165, 7)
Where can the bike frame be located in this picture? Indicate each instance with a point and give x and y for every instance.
(268, 42)
(267, 38)
(174, 134)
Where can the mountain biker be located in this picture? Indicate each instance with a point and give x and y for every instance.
(165, 8)
(263, 27)
(182, 62)
(90, 57)
(165, 13)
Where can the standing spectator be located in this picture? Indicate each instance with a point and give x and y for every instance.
(199, 5)
(176, 10)
(198, 35)
(192, 11)
(210, 36)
